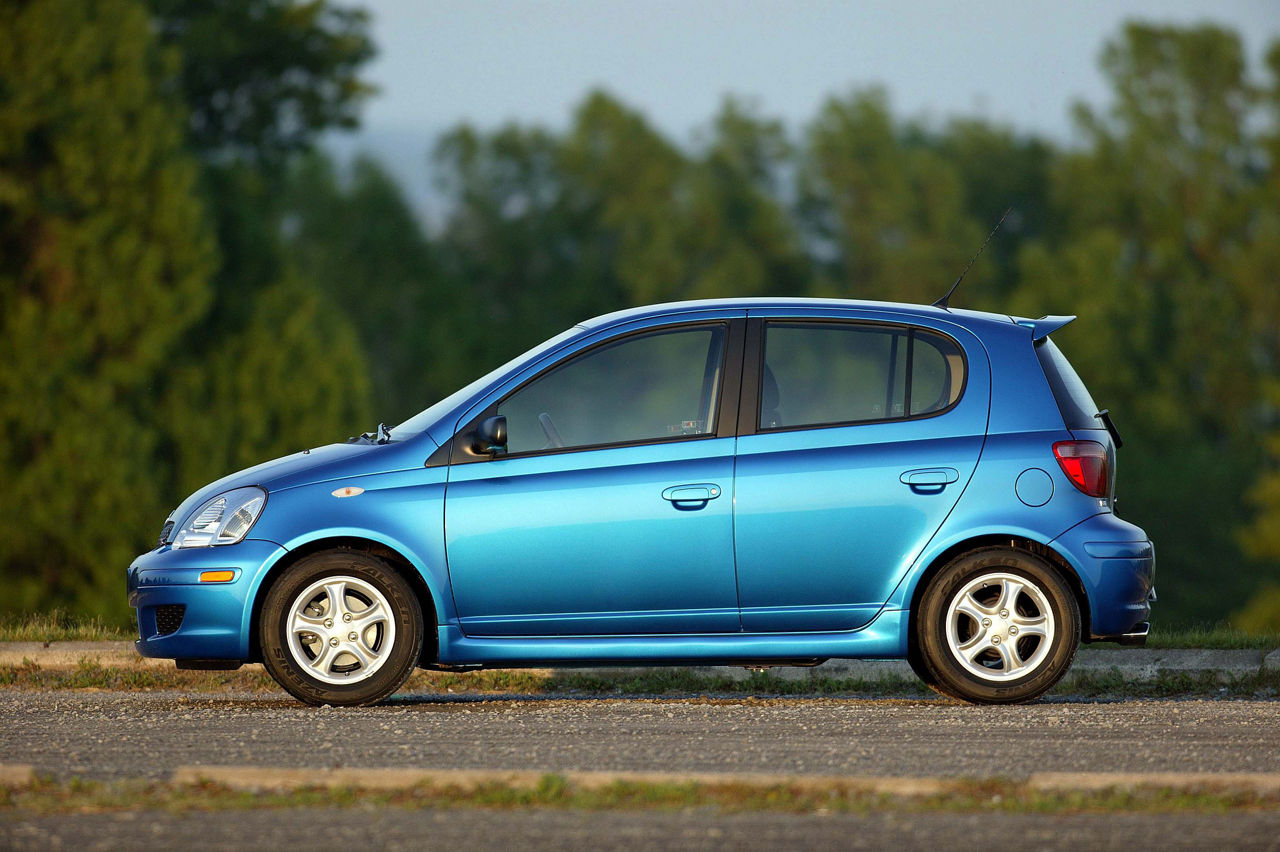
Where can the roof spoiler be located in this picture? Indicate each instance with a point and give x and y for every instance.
(1043, 327)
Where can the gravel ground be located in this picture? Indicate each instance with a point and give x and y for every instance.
(138, 734)
(555, 829)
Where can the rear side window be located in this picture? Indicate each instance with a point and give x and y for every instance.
(821, 374)
(1075, 403)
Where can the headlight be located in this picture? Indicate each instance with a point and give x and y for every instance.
(225, 519)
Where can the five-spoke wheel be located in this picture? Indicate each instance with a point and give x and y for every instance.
(341, 627)
(996, 626)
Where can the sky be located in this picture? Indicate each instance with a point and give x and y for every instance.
(443, 62)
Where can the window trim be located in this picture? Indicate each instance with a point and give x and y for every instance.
(726, 406)
(753, 373)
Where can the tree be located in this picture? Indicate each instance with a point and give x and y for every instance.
(104, 261)
(885, 220)
(358, 242)
(262, 77)
(1158, 211)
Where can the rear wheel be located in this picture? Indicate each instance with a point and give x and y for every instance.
(996, 626)
(341, 627)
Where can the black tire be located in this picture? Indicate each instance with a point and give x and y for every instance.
(943, 669)
(921, 669)
(401, 631)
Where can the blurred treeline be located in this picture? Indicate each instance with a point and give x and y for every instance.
(188, 285)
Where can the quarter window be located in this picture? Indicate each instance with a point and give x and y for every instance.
(817, 374)
(648, 387)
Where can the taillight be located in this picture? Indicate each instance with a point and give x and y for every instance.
(1085, 464)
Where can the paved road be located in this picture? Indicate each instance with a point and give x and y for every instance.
(358, 829)
(104, 735)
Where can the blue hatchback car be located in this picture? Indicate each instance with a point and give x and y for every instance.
(751, 482)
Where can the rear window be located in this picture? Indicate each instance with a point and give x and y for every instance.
(1075, 403)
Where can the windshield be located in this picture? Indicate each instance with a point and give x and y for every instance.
(424, 419)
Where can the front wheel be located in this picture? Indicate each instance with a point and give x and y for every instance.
(997, 626)
(341, 627)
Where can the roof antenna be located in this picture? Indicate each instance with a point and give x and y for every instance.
(942, 303)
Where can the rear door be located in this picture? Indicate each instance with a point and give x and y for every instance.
(857, 435)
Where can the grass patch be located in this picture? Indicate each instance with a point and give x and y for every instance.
(1216, 637)
(59, 626)
(673, 683)
(1213, 636)
(47, 797)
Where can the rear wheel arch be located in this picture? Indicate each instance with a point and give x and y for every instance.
(397, 560)
(1007, 542)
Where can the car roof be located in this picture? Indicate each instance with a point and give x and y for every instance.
(959, 315)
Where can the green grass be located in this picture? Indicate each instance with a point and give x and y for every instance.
(58, 626)
(673, 683)
(553, 791)
(1213, 636)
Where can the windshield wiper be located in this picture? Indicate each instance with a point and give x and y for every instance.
(1105, 416)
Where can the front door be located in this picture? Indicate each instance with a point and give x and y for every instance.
(857, 440)
(611, 511)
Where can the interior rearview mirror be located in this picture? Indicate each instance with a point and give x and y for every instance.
(491, 436)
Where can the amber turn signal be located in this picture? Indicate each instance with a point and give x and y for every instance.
(217, 576)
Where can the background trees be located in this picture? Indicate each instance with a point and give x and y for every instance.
(188, 286)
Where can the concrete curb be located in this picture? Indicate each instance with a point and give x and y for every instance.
(17, 774)
(469, 780)
(68, 655)
(1134, 664)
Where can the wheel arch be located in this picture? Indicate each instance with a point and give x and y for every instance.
(405, 567)
(1009, 541)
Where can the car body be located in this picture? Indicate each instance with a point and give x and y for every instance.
(822, 461)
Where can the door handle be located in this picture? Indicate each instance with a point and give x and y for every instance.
(699, 492)
(930, 477)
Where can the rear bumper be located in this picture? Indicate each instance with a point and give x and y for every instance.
(1116, 563)
(216, 618)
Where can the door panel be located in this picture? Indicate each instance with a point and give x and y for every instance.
(825, 525)
(829, 517)
(587, 543)
(568, 537)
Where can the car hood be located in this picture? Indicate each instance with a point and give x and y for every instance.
(334, 461)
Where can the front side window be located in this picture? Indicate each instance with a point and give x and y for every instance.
(817, 374)
(647, 387)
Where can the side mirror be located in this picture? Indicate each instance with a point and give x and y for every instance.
(491, 436)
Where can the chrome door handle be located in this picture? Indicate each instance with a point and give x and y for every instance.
(699, 492)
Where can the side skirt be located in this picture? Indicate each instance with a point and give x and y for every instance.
(885, 638)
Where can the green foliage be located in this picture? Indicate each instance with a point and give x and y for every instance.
(1158, 217)
(104, 260)
(261, 77)
(294, 377)
(357, 242)
(889, 218)
(1262, 613)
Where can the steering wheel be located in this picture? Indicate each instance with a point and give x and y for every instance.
(553, 434)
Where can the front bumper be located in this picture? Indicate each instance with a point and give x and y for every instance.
(217, 617)
(1116, 563)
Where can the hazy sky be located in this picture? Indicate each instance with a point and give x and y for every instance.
(489, 61)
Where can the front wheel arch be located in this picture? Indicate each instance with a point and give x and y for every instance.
(403, 567)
